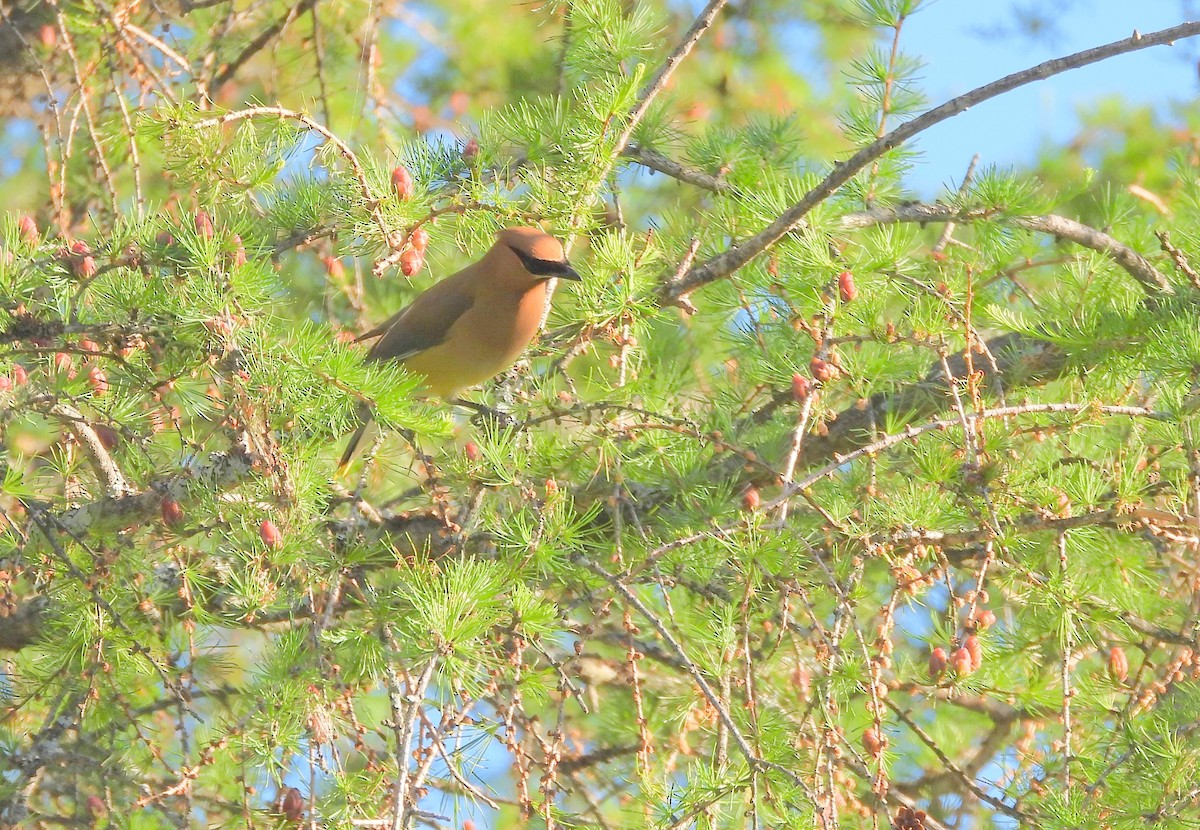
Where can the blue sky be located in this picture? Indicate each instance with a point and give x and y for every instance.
(959, 43)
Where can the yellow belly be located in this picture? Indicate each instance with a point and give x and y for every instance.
(447, 374)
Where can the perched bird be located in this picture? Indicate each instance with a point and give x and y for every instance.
(473, 324)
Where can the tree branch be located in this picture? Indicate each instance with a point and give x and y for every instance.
(410, 534)
(658, 162)
(221, 471)
(659, 82)
(910, 433)
(734, 258)
(753, 759)
(1019, 359)
(360, 175)
(1130, 260)
(256, 45)
(954, 769)
(106, 469)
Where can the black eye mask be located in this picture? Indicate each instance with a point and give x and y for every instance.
(546, 267)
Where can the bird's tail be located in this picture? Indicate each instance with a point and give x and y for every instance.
(364, 414)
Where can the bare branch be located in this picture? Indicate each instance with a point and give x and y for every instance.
(669, 167)
(106, 469)
(949, 764)
(1130, 260)
(220, 471)
(1137, 265)
(659, 82)
(256, 45)
(734, 258)
(910, 433)
(1179, 258)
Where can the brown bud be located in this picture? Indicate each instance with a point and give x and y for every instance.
(1118, 664)
(204, 224)
(65, 364)
(909, 819)
(984, 619)
(334, 267)
(873, 742)
(846, 287)
(960, 661)
(291, 805)
(402, 183)
(270, 534)
(239, 251)
(19, 375)
(471, 451)
(164, 238)
(411, 262)
(800, 387)
(470, 150)
(108, 436)
(172, 513)
(82, 262)
(751, 499)
(1064, 504)
(48, 35)
(98, 381)
(89, 345)
(937, 662)
(821, 370)
(96, 808)
(975, 650)
(419, 239)
(551, 487)
(29, 230)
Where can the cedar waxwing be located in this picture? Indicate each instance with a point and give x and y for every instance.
(474, 324)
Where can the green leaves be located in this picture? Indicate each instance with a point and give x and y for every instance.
(683, 567)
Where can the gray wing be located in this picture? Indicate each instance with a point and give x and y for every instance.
(420, 326)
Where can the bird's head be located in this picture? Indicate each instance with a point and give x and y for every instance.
(538, 254)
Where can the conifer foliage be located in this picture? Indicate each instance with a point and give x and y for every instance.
(812, 506)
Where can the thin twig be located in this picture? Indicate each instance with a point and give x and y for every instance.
(1130, 260)
(360, 174)
(1065, 668)
(948, 231)
(227, 71)
(1179, 258)
(949, 764)
(658, 162)
(651, 91)
(406, 710)
(714, 700)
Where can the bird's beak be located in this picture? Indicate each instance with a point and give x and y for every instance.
(568, 273)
